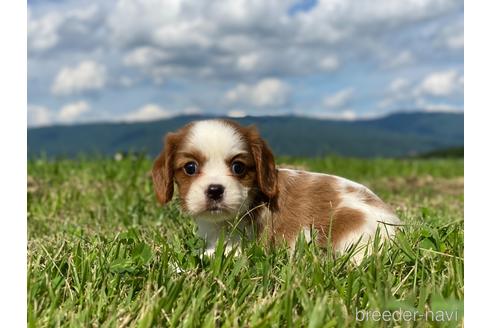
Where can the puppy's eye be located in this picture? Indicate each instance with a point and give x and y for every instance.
(190, 168)
(238, 168)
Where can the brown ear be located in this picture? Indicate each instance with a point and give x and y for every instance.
(163, 170)
(266, 173)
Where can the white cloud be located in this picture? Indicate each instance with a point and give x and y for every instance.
(456, 41)
(126, 81)
(236, 113)
(385, 103)
(393, 12)
(399, 89)
(192, 110)
(231, 38)
(266, 93)
(73, 111)
(62, 27)
(348, 115)
(248, 62)
(329, 63)
(451, 36)
(87, 76)
(69, 113)
(38, 116)
(344, 115)
(440, 84)
(84, 14)
(398, 85)
(42, 33)
(437, 107)
(403, 58)
(145, 56)
(149, 112)
(401, 93)
(338, 99)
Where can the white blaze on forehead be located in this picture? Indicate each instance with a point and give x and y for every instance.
(215, 139)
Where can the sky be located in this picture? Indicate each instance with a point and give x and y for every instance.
(142, 60)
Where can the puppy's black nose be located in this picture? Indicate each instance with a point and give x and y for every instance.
(215, 191)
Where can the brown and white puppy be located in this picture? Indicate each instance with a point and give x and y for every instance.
(226, 173)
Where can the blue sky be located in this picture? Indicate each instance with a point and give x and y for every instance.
(138, 60)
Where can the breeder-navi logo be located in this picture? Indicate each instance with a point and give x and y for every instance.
(406, 315)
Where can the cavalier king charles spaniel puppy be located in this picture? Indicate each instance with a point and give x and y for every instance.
(227, 181)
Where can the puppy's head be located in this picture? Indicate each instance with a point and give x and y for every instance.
(218, 166)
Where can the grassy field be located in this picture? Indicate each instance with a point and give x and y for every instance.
(102, 253)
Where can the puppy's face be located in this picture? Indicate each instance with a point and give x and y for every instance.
(218, 166)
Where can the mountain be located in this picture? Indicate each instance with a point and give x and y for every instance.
(452, 152)
(400, 134)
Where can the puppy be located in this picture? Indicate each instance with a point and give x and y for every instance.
(227, 178)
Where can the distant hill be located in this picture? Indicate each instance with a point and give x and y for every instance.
(401, 134)
(453, 152)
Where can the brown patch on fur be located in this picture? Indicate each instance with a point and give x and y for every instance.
(345, 220)
(163, 170)
(352, 189)
(266, 172)
(247, 179)
(244, 158)
(184, 183)
(190, 156)
(305, 201)
(300, 205)
(183, 180)
(373, 200)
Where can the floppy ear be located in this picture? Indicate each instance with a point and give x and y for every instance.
(163, 170)
(266, 172)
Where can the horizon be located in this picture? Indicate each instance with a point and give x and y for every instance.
(98, 61)
(213, 116)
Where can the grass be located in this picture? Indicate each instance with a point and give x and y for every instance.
(102, 253)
